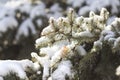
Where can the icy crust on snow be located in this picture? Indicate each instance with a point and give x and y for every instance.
(19, 68)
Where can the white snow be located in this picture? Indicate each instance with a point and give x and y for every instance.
(37, 66)
(98, 44)
(25, 8)
(84, 34)
(38, 10)
(55, 15)
(107, 37)
(3, 1)
(81, 51)
(75, 3)
(8, 22)
(115, 5)
(110, 19)
(14, 66)
(4, 11)
(96, 5)
(55, 11)
(57, 56)
(24, 28)
(63, 70)
(15, 3)
(1, 78)
(55, 7)
(117, 43)
(118, 71)
(47, 30)
(39, 22)
(43, 41)
(84, 10)
(45, 63)
(50, 51)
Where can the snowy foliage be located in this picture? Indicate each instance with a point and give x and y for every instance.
(65, 35)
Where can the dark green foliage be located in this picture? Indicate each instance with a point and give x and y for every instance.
(87, 65)
(12, 77)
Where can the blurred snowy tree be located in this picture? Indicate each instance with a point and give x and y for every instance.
(20, 24)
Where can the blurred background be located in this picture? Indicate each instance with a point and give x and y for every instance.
(21, 21)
